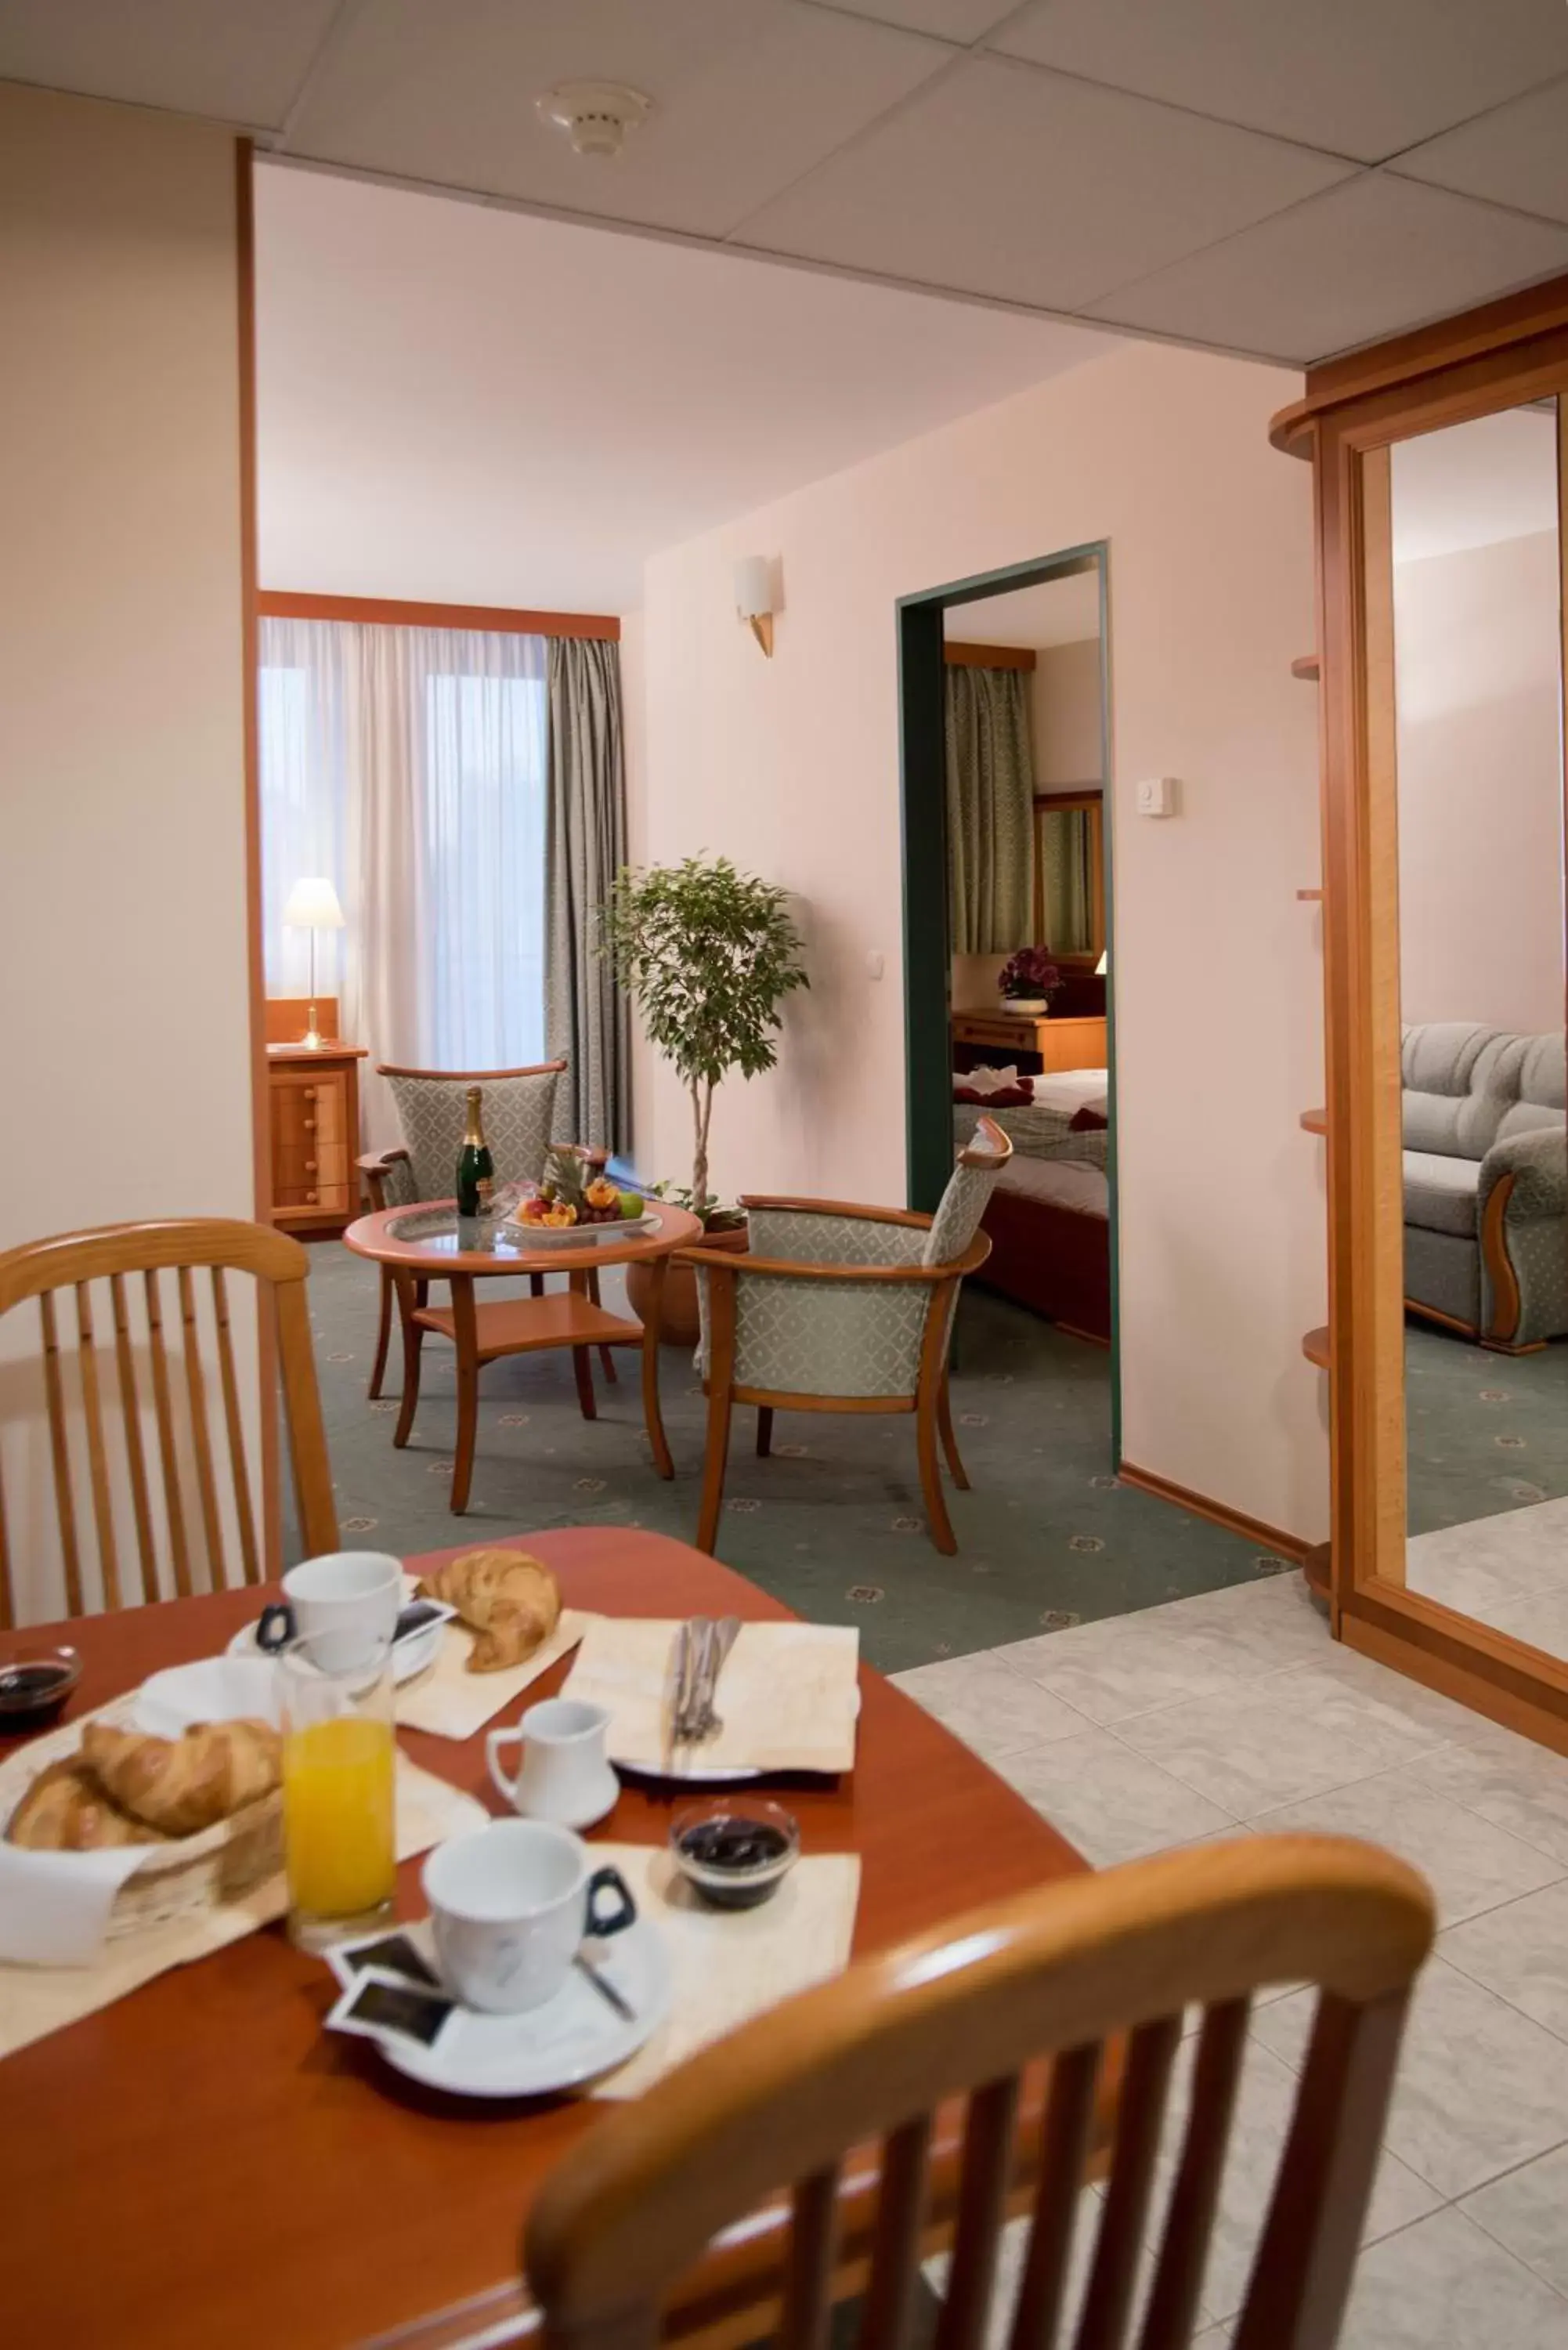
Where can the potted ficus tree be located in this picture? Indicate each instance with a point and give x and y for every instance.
(708, 954)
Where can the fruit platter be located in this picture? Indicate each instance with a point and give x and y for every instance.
(573, 1206)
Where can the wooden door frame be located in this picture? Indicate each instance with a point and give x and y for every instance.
(927, 958)
(1475, 366)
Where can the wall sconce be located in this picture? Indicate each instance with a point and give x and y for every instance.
(755, 597)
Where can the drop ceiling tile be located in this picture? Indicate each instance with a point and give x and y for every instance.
(1364, 261)
(1001, 179)
(223, 57)
(951, 20)
(1362, 78)
(1516, 155)
(748, 95)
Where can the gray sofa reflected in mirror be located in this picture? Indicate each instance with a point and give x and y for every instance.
(1486, 1182)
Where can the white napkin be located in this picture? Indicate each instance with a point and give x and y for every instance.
(54, 1905)
(788, 1696)
(450, 1701)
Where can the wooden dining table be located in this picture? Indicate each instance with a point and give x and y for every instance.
(200, 2165)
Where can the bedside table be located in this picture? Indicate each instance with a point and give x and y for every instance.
(314, 1101)
(1060, 1044)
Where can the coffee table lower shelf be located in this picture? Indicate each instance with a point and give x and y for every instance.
(527, 1325)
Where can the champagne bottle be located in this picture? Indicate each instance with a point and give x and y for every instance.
(475, 1167)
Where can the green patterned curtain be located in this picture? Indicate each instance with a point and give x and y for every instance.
(1067, 880)
(990, 810)
(586, 1013)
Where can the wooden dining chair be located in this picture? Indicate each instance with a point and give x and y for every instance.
(695, 2167)
(838, 1307)
(118, 1350)
(433, 1108)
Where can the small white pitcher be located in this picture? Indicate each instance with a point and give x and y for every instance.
(565, 1774)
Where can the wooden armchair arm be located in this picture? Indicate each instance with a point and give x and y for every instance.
(374, 1166)
(788, 1269)
(836, 1208)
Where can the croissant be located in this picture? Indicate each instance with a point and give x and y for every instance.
(509, 1600)
(66, 1810)
(182, 1784)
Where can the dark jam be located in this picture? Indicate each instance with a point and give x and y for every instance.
(738, 1848)
(31, 1693)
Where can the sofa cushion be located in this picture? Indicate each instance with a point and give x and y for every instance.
(1457, 1088)
(1535, 1072)
(1440, 1192)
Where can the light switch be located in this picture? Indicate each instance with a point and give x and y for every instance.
(1157, 795)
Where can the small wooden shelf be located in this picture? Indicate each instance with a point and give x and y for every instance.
(1314, 1347)
(1314, 1122)
(1306, 667)
(1309, 897)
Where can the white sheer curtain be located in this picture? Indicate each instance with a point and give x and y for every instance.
(408, 766)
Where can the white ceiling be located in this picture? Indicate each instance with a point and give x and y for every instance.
(1473, 484)
(1259, 175)
(465, 405)
(1057, 612)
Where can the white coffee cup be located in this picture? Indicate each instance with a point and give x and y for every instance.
(565, 1774)
(511, 1906)
(351, 1598)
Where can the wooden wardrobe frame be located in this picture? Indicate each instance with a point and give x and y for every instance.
(1496, 357)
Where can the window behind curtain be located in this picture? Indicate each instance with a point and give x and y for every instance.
(408, 766)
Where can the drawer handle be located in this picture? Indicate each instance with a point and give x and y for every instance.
(310, 1166)
(310, 1126)
(310, 1093)
(310, 1195)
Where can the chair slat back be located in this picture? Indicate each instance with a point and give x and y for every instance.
(148, 1459)
(1096, 1974)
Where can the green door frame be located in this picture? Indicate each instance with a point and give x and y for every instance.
(928, 959)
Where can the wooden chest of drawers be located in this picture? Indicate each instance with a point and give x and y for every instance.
(315, 1101)
(1004, 1036)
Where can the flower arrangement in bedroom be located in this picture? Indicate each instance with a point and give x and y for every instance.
(708, 954)
(1029, 980)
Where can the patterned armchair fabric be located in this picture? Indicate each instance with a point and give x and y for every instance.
(432, 1112)
(843, 1337)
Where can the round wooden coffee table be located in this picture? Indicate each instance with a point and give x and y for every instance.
(430, 1242)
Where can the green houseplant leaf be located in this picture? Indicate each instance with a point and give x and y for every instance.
(709, 954)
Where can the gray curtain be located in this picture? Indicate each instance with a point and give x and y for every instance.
(586, 1013)
(990, 810)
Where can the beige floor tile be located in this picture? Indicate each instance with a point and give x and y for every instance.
(1510, 1781)
(994, 1712)
(1520, 1952)
(1480, 2087)
(1444, 2284)
(1471, 1864)
(1527, 2212)
(1294, 1734)
(1110, 1802)
(1127, 1665)
(1540, 1617)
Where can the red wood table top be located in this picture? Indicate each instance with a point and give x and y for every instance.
(200, 2165)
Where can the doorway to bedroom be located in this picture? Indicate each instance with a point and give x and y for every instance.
(1009, 969)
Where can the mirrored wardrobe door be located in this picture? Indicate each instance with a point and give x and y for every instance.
(1464, 583)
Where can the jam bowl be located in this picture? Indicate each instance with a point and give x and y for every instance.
(734, 1850)
(34, 1686)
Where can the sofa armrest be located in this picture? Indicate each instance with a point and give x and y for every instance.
(1538, 1162)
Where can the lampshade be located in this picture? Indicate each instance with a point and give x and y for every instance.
(1103, 964)
(753, 587)
(313, 906)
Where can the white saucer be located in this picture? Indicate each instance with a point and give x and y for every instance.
(409, 1656)
(715, 1775)
(571, 2038)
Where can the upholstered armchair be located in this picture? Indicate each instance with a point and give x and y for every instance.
(431, 1104)
(844, 1308)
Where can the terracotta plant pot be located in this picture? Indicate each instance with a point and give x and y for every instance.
(678, 1323)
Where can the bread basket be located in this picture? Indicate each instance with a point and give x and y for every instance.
(218, 1866)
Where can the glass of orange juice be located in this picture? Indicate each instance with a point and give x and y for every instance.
(338, 1755)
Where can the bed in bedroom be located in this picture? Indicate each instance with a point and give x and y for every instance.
(1049, 1215)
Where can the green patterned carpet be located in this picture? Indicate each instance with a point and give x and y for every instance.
(1487, 1432)
(831, 1524)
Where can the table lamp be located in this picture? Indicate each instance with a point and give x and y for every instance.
(313, 906)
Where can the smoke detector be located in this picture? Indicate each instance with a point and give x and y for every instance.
(594, 115)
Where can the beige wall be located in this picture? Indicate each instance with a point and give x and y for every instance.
(1064, 715)
(1480, 785)
(124, 1053)
(792, 767)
